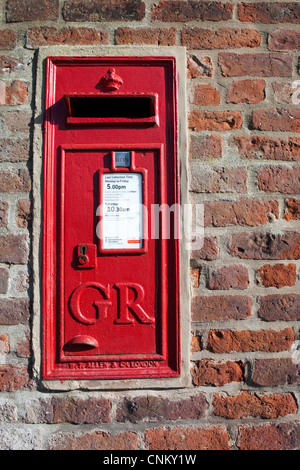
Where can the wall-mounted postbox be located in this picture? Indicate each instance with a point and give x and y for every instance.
(110, 250)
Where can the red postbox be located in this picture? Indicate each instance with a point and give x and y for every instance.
(110, 245)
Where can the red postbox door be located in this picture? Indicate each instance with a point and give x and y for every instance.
(111, 248)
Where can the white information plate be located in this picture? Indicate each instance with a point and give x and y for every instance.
(122, 221)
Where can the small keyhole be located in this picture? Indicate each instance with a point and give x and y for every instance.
(83, 250)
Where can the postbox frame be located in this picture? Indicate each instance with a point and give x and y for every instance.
(43, 53)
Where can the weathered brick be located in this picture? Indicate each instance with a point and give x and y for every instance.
(228, 277)
(243, 211)
(11, 182)
(23, 348)
(4, 349)
(196, 344)
(13, 378)
(103, 10)
(284, 40)
(157, 36)
(285, 307)
(4, 276)
(255, 65)
(292, 211)
(8, 411)
(94, 440)
(209, 251)
(68, 410)
(199, 66)
(155, 408)
(13, 94)
(217, 373)
(14, 311)
(283, 92)
(224, 38)
(215, 120)
(273, 119)
(14, 150)
(8, 39)
(254, 405)
(217, 179)
(23, 217)
(280, 179)
(278, 275)
(49, 35)
(271, 436)
(191, 10)
(13, 249)
(220, 307)
(3, 213)
(264, 245)
(17, 121)
(191, 438)
(205, 147)
(275, 371)
(246, 91)
(206, 95)
(269, 148)
(11, 64)
(269, 12)
(31, 10)
(226, 341)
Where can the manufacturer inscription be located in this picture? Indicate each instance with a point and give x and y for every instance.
(113, 365)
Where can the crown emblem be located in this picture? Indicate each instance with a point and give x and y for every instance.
(111, 81)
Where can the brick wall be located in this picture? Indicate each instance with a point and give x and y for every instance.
(244, 123)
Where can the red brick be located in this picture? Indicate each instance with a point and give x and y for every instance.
(218, 179)
(199, 66)
(284, 40)
(11, 182)
(224, 38)
(14, 311)
(13, 378)
(271, 436)
(14, 150)
(191, 10)
(3, 280)
(13, 94)
(255, 65)
(94, 440)
(4, 346)
(195, 275)
(272, 119)
(284, 307)
(31, 10)
(206, 95)
(228, 277)
(226, 341)
(280, 179)
(8, 39)
(209, 251)
(244, 211)
(213, 373)
(3, 213)
(24, 347)
(278, 275)
(13, 249)
(46, 36)
(196, 344)
(205, 147)
(17, 121)
(157, 36)
(191, 438)
(215, 120)
(269, 148)
(74, 410)
(103, 10)
(220, 308)
(275, 371)
(155, 408)
(292, 211)
(253, 405)
(269, 12)
(246, 91)
(264, 245)
(23, 217)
